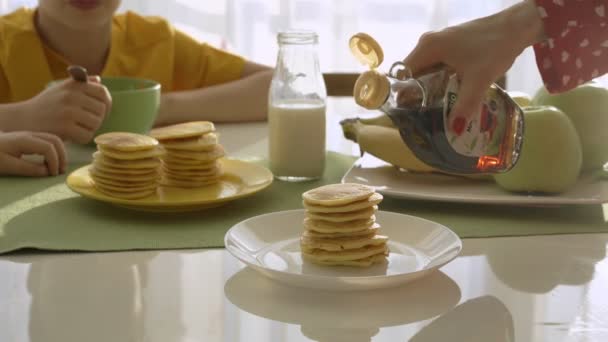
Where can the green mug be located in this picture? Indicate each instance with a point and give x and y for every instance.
(135, 104)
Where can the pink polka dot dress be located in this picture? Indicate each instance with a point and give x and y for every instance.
(576, 48)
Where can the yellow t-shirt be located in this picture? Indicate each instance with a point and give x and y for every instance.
(146, 47)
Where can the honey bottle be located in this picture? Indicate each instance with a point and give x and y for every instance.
(420, 107)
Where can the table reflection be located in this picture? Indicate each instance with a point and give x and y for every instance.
(96, 297)
(342, 316)
(534, 267)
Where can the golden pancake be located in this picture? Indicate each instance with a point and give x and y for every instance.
(375, 229)
(127, 195)
(201, 179)
(343, 243)
(170, 160)
(192, 150)
(205, 143)
(121, 172)
(125, 185)
(187, 173)
(148, 163)
(365, 262)
(344, 217)
(335, 195)
(314, 254)
(192, 168)
(373, 200)
(124, 189)
(201, 156)
(126, 142)
(166, 181)
(133, 155)
(183, 130)
(339, 227)
(152, 175)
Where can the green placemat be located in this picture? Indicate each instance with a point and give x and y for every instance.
(45, 214)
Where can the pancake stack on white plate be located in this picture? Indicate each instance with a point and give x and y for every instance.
(340, 226)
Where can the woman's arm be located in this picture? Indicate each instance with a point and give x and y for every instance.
(479, 51)
(576, 47)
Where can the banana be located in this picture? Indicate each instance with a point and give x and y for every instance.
(384, 143)
(380, 120)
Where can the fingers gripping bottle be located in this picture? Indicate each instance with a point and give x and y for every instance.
(420, 107)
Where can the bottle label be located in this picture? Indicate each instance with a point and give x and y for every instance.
(482, 133)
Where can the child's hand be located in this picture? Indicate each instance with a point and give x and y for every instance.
(71, 110)
(14, 145)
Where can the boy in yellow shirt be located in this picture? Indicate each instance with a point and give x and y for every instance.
(199, 82)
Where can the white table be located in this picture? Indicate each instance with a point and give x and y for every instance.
(543, 288)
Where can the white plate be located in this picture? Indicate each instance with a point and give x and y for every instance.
(392, 182)
(270, 244)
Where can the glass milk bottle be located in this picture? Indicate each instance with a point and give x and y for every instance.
(296, 109)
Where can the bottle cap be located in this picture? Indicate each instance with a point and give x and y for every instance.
(366, 49)
(371, 89)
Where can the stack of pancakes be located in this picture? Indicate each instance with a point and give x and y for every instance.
(340, 226)
(192, 153)
(126, 165)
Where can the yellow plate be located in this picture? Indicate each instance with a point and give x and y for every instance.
(240, 179)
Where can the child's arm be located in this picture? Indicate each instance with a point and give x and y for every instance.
(71, 110)
(241, 100)
(14, 145)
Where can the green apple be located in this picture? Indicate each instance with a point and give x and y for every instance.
(587, 107)
(551, 155)
(521, 98)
